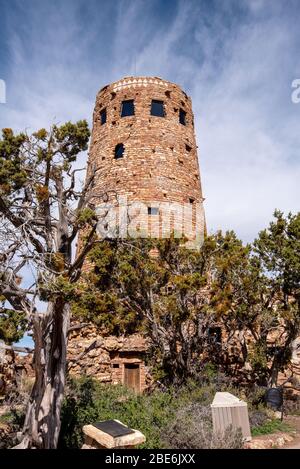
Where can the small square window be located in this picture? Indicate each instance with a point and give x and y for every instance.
(157, 108)
(215, 335)
(127, 108)
(103, 116)
(116, 365)
(188, 148)
(191, 200)
(182, 117)
(152, 210)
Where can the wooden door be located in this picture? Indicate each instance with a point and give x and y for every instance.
(132, 376)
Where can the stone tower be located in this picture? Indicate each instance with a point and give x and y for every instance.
(144, 151)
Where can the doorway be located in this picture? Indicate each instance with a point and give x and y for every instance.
(132, 376)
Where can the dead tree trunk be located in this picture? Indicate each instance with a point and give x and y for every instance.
(42, 422)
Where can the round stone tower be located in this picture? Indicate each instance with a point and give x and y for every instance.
(144, 151)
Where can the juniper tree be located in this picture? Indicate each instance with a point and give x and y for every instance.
(255, 290)
(177, 297)
(42, 209)
(277, 250)
(160, 288)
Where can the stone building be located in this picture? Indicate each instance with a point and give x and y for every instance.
(113, 360)
(144, 155)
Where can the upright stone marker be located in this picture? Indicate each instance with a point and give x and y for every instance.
(228, 410)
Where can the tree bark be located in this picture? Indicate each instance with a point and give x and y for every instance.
(42, 422)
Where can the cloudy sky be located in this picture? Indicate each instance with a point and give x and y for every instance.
(235, 58)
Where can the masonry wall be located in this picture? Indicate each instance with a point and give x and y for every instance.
(159, 167)
(160, 162)
(105, 358)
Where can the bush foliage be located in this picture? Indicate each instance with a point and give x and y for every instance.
(174, 418)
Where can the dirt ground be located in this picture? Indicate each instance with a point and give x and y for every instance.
(294, 421)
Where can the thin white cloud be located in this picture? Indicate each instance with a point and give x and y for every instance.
(237, 61)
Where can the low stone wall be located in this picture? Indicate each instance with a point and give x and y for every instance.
(121, 360)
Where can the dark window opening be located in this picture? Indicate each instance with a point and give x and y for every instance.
(119, 151)
(168, 94)
(103, 116)
(127, 108)
(188, 148)
(215, 335)
(152, 210)
(113, 95)
(116, 365)
(182, 117)
(191, 200)
(157, 108)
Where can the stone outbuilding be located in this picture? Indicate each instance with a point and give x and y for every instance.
(113, 360)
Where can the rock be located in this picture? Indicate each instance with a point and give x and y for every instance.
(288, 438)
(279, 442)
(95, 437)
(104, 378)
(93, 353)
(111, 343)
(272, 441)
(256, 444)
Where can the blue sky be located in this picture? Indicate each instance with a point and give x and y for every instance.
(235, 58)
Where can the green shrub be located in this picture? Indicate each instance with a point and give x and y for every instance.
(88, 401)
(192, 429)
(271, 426)
(292, 406)
(257, 418)
(10, 423)
(6, 418)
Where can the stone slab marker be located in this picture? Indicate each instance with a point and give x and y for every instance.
(111, 434)
(228, 410)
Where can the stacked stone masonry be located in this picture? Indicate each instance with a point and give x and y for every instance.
(159, 163)
(112, 360)
(157, 166)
